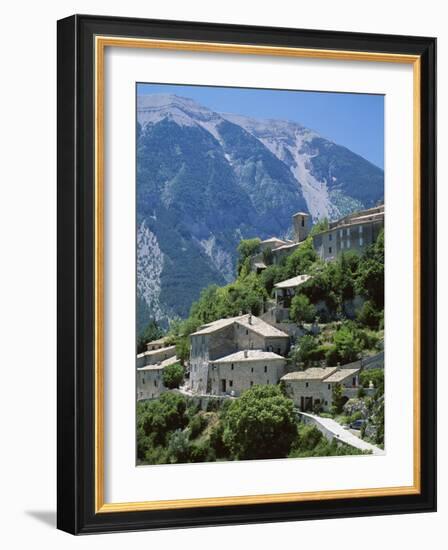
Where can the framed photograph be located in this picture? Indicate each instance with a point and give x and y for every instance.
(246, 274)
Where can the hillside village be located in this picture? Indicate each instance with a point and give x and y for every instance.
(316, 335)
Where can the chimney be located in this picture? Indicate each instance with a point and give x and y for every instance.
(245, 353)
(249, 319)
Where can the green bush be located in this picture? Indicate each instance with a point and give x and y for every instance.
(260, 424)
(158, 418)
(302, 310)
(368, 315)
(246, 249)
(173, 376)
(196, 425)
(374, 375)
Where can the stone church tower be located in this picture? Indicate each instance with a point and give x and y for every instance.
(302, 226)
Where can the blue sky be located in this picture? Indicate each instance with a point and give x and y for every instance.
(353, 120)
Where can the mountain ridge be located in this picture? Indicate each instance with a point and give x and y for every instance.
(205, 180)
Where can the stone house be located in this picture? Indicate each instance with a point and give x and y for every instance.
(155, 356)
(150, 379)
(353, 232)
(313, 388)
(157, 344)
(283, 247)
(221, 338)
(237, 372)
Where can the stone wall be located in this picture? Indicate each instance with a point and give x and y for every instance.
(149, 384)
(235, 378)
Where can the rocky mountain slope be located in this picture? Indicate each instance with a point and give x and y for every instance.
(205, 180)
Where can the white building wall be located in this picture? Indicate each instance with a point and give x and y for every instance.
(240, 376)
(149, 384)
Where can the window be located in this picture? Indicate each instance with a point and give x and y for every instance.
(252, 369)
(347, 232)
(265, 368)
(303, 222)
(329, 250)
(231, 368)
(279, 351)
(360, 229)
(268, 382)
(361, 241)
(341, 232)
(247, 332)
(230, 383)
(329, 386)
(330, 237)
(155, 383)
(348, 243)
(251, 383)
(306, 384)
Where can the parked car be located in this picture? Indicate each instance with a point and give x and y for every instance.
(357, 424)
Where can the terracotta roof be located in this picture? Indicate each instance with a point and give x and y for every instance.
(249, 355)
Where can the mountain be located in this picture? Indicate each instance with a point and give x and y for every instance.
(205, 180)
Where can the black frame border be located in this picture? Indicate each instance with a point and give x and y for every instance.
(75, 272)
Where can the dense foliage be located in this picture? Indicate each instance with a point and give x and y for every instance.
(260, 424)
(173, 376)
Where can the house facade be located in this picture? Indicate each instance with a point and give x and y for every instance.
(353, 232)
(150, 379)
(224, 337)
(155, 356)
(313, 388)
(238, 372)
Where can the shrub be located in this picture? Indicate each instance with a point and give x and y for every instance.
(196, 425)
(368, 315)
(260, 424)
(302, 310)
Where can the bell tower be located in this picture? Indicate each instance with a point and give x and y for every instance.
(301, 223)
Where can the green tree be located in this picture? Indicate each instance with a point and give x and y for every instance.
(338, 399)
(302, 310)
(370, 281)
(173, 376)
(346, 347)
(152, 331)
(318, 227)
(260, 424)
(178, 448)
(271, 275)
(158, 418)
(304, 351)
(300, 261)
(368, 315)
(246, 249)
(268, 256)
